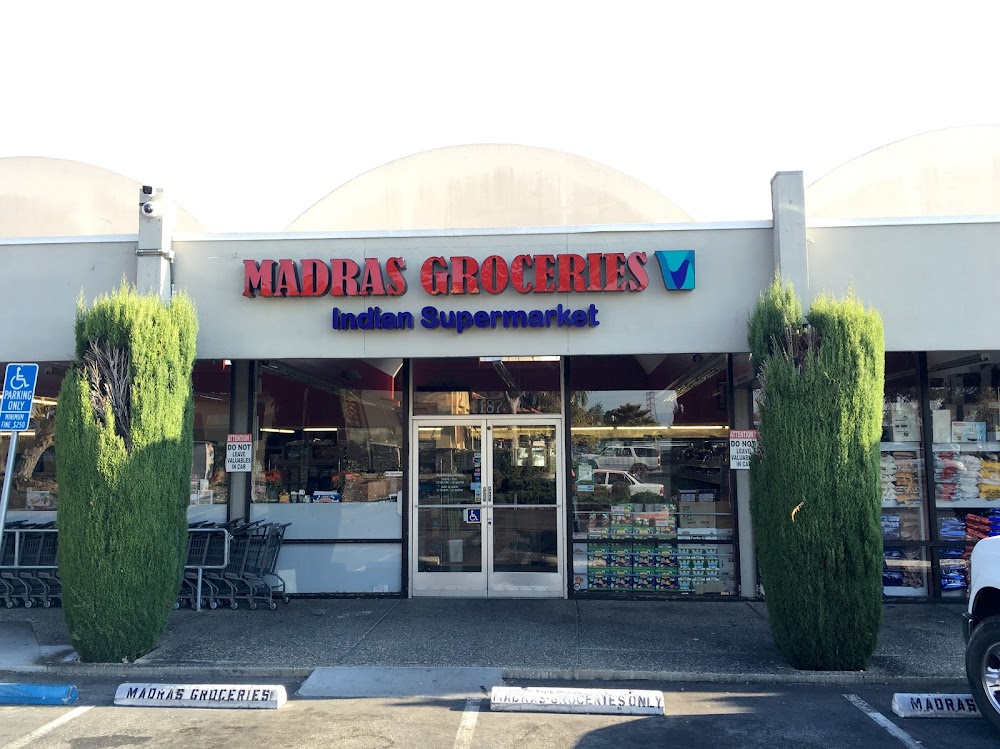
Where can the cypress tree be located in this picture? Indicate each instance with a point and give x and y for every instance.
(124, 441)
(815, 500)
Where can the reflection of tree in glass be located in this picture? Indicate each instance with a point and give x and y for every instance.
(580, 414)
(44, 424)
(519, 484)
(629, 414)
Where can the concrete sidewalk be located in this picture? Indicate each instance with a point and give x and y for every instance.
(581, 639)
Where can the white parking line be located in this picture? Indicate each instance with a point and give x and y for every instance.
(888, 725)
(25, 740)
(468, 725)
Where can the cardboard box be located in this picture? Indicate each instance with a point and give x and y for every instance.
(905, 422)
(666, 582)
(645, 580)
(941, 425)
(968, 431)
(643, 557)
(597, 556)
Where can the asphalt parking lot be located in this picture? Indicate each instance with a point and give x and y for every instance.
(700, 716)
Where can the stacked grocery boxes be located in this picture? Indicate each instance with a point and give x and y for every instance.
(701, 517)
(704, 568)
(625, 567)
(622, 554)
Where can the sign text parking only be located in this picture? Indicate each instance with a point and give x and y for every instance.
(18, 390)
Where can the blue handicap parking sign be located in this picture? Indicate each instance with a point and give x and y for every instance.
(18, 390)
(472, 516)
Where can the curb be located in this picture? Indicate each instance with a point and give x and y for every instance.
(845, 678)
(38, 694)
(136, 671)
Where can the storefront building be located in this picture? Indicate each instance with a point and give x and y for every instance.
(533, 411)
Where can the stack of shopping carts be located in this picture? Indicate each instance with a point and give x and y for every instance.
(233, 562)
(29, 572)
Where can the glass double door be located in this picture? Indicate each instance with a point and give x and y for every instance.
(488, 507)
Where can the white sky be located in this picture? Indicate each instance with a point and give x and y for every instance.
(250, 112)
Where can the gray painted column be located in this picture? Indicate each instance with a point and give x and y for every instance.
(789, 213)
(154, 252)
(241, 420)
(741, 479)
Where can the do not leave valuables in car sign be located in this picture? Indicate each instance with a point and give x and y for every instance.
(239, 458)
(742, 444)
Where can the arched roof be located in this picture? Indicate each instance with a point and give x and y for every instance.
(951, 172)
(488, 185)
(42, 197)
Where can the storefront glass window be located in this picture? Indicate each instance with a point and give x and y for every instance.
(905, 570)
(652, 510)
(965, 424)
(328, 448)
(34, 495)
(487, 385)
(211, 383)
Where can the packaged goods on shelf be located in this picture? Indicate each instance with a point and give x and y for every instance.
(900, 568)
(979, 526)
(954, 569)
(951, 529)
(890, 527)
(899, 477)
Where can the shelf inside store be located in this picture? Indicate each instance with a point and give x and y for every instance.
(900, 591)
(902, 505)
(691, 476)
(975, 502)
(899, 446)
(966, 447)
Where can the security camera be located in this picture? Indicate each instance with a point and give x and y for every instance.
(150, 209)
(148, 190)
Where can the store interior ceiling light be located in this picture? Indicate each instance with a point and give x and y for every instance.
(652, 428)
(319, 429)
(41, 401)
(963, 361)
(25, 433)
(488, 359)
(275, 430)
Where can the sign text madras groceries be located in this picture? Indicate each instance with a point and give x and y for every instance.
(463, 276)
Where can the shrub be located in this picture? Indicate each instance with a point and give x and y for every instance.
(124, 440)
(815, 500)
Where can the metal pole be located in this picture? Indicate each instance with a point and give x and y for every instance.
(8, 477)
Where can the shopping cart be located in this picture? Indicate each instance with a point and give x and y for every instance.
(29, 571)
(250, 575)
(207, 551)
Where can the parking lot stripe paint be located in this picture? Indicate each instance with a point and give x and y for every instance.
(38, 694)
(52, 725)
(908, 741)
(463, 740)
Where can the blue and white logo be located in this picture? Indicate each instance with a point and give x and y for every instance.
(677, 268)
(18, 390)
(473, 515)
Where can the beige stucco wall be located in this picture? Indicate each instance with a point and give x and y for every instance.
(40, 288)
(935, 285)
(732, 265)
